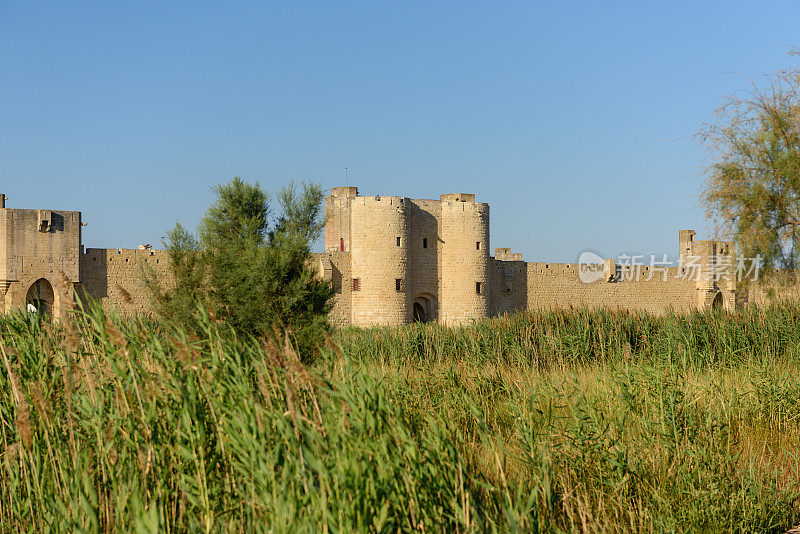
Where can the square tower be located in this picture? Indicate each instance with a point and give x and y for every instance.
(39, 258)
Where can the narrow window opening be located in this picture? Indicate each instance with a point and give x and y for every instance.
(356, 284)
(424, 242)
(398, 241)
(341, 244)
(398, 284)
(477, 245)
(478, 288)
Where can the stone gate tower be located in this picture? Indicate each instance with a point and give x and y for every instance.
(39, 258)
(396, 259)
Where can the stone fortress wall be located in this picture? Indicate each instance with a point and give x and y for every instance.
(392, 260)
(114, 276)
(43, 264)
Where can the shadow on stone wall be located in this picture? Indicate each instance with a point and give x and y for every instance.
(510, 287)
(423, 274)
(94, 275)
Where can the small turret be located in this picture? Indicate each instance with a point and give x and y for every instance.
(685, 242)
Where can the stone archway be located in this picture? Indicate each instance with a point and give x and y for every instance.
(423, 309)
(717, 303)
(41, 298)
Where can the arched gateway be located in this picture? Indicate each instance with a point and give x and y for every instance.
(41, 298)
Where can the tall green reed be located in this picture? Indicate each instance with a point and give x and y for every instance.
(571, 420)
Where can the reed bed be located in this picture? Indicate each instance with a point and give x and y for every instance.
(562, 421)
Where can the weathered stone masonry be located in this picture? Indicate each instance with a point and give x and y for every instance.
(392, 260)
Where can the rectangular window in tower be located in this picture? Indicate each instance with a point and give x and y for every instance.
(398, 284)
(341, 244)
(424, 242)
(478, 288)
(356, 284)
(398, 241)
(477, 245)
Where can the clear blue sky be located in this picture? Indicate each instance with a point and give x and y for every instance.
(574, 120)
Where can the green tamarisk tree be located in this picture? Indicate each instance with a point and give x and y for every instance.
(248, 268)
(752, 186)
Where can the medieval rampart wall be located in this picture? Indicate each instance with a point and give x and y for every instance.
(771, 288)
(114, 277)
(509, 292)
(557, 285)
(390, 259)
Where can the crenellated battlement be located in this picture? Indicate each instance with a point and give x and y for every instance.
(458, 197)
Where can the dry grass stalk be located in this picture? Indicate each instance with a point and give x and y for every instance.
(114, 333)
(126, 296)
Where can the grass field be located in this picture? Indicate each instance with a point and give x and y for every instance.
(581, 421)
